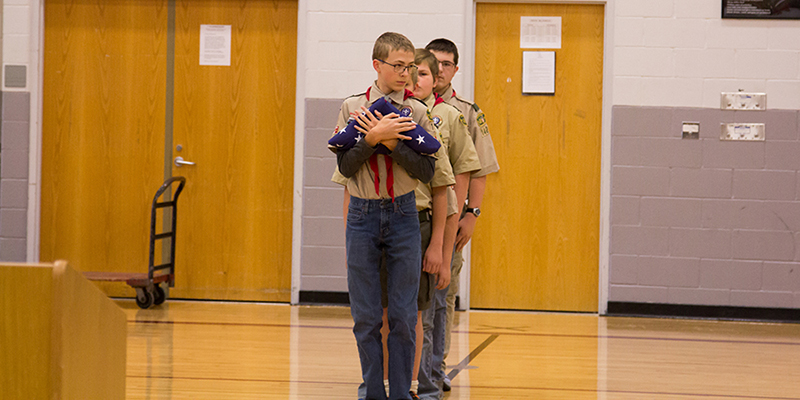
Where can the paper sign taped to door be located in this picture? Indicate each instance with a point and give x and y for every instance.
(540, 33)
(215, 45)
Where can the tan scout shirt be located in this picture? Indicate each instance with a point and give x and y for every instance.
(362, 183)
(452, 202)
(459, 148)
(455, 136)
(477, 129)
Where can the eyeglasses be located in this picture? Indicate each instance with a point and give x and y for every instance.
(447, 64)
(400, 68)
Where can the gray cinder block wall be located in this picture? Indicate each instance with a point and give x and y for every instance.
(14, 143)
(704, 222)
(323, 264)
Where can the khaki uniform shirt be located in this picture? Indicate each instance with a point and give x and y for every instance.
(460, 151)
(455, 136)
(362, 183)
(478, 130)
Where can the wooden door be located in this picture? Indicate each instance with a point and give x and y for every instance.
(536, 246)
(237, 124)
(104, 142)
(103, 131)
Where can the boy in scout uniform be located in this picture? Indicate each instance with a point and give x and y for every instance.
(435, 201)
(382, 217)
(464, 160)
(447, 54)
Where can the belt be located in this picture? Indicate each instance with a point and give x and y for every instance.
(425, 215)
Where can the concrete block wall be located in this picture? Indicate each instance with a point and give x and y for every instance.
(14, 133)
(15, 119)
(703, 222)
(680, 53)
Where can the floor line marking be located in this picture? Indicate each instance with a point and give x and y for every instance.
(471, 356)
(560, 335)
(732, 396)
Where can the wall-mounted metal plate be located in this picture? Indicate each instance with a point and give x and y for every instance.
(691, 130)
(741, 131)
(743, 101)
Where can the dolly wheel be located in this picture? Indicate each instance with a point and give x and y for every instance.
(144, 299)
(158, 295)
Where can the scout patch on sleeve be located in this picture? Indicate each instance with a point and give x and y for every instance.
(462, 119)
(482, 124)
(481, 119)
(437, 120)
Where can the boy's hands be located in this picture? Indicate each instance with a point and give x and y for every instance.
(432, 261)
(466, 226)
(387, 129)
(444, 277)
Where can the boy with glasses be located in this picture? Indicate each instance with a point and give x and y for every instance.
(447, 54)
(382, 216)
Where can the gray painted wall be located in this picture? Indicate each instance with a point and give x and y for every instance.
(704, 222)
(323, 264)
(14, 134)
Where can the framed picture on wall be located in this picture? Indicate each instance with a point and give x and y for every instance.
(761, 9)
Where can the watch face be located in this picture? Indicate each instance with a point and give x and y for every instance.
(476, 211)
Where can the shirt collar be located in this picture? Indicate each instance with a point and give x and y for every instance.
(448, 92)
(373, 94)
(430, 101)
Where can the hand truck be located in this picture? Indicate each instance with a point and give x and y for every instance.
(148, 289)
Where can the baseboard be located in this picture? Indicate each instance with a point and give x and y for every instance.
(711, 312)
(337, 298)
(319, 297)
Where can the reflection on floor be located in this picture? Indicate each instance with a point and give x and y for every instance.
(214, 350)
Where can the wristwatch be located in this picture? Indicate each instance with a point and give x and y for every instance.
(476, 211)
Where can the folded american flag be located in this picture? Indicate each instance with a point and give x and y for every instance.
(421, 141)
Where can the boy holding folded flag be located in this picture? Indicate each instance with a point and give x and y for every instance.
(382, 216)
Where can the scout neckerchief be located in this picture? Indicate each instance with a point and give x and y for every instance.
(373, 160)
(439, 99)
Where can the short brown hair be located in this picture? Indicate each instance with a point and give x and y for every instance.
(445, 46)
(424, 56)
(390, 41)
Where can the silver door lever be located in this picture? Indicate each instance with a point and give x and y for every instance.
(179, 161)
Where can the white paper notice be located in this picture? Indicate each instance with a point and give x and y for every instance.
(215, 45)
(540, 33)
(539, 72)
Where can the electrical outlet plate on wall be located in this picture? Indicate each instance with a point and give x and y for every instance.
(743, 101)
(743, 132)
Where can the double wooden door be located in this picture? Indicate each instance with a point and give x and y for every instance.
(536, 245)
(118, 109)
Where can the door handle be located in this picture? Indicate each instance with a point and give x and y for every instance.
(180, 161)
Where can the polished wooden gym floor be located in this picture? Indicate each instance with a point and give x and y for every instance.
(214, 350)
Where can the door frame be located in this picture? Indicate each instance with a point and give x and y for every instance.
(467, 68)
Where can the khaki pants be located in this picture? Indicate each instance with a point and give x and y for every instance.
(455, 271)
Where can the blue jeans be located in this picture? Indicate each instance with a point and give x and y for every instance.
(373, 227)
(434, 322)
